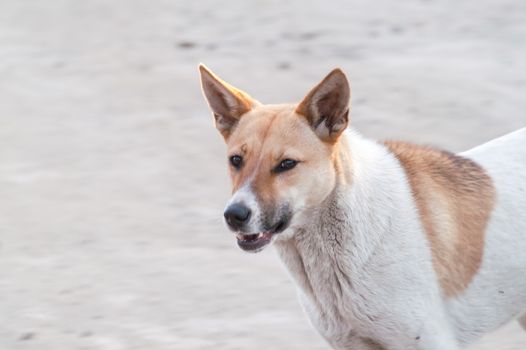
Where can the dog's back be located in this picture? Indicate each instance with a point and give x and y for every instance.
(473, 209)
(498, 289)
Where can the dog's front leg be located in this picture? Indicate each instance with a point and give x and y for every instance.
(437, 341)
(435, 335)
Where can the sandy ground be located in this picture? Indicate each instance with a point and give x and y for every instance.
(113, 180)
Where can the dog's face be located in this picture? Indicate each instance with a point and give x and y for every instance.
(281, 157)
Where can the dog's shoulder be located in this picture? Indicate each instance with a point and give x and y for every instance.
(454, 197)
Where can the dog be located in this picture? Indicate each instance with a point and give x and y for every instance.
(392, 245)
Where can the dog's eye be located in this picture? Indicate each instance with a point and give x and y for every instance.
(236, 161)
(285, 165)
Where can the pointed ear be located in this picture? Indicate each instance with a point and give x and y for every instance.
(326, 107)
(227, 103)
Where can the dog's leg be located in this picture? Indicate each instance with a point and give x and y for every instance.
(437, 336)
(522, 320)
(429, 332)
(437, 341)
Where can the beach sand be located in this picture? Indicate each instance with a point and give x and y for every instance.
(113, 179)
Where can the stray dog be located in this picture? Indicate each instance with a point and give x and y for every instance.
(392, 245)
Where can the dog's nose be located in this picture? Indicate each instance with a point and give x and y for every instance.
(237, 215)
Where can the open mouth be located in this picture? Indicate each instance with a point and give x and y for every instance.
(255, 242)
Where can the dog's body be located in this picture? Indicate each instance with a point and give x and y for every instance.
(369, 278)
(393, 246)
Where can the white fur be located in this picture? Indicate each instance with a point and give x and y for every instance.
(246, 196)
(363, 265)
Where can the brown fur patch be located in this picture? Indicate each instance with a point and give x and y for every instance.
(268, 134)
(454, 197)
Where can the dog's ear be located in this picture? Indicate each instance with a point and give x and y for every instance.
(227, 103)
(326, 106)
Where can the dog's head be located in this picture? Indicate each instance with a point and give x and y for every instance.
(282, 158)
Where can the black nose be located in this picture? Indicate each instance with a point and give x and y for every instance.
(237, 215)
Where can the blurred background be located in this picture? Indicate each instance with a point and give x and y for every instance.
(113, 178)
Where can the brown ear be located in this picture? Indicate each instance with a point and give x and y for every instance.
(226, 102)
(326, 107)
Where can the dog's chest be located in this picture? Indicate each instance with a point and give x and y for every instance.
(335, 304)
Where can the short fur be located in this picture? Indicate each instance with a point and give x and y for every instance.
(454, 197)
(392, 246)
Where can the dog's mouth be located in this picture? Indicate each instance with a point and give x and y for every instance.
(255, 242)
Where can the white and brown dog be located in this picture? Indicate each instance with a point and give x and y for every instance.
(392, 245)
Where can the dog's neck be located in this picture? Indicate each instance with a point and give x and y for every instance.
(341, 235)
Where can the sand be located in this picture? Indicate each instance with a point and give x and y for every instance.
(113, 179)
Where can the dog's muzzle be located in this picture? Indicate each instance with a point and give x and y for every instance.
(255, 230)
(255, 242)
